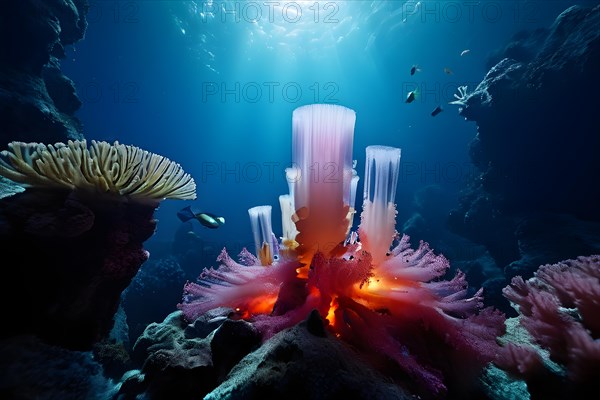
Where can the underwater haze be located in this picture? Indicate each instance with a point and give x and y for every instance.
(437, 234)
(212, 85)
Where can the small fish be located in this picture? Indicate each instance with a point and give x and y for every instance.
(414, 68)
(448, 71)
(465, 52)
(436, 111)
(207, 219)
(411, 96)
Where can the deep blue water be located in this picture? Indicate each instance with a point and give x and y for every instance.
(212, 86)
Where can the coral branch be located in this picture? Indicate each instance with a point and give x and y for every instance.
(559, 307)
(461, 97)
(103, 167)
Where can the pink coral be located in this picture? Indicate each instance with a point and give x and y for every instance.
(405, 312)
(385, 298)
(250, 289)
(560, 308)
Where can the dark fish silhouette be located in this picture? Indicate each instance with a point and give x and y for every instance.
(436, 111)
(414, 68)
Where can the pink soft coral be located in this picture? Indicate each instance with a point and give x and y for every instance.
(560, 308)
(405, 312)
(379, 294)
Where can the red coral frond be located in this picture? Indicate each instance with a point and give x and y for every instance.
(519, 360)
(479, 332)
(247, 258)
(548, 325)
(583, 362)
(518, 292)
(458, 305)
(585, 292)
(560, 308)
(337, 276)
(589, 265)
(553, 277)
(367, 329)
(421, 265)
(234, 285)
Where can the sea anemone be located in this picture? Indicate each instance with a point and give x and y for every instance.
(103, 167)
(386, 299)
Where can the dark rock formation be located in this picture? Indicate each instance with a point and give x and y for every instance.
(37, 102)
(537, 144)
(159, 336)
(522, 47)
(230, 343)
(114, 358)
(540, 242)
(75, 254)
(189, 362)
(182, 370)
(153, 294)
(33, 370)
(299, 364)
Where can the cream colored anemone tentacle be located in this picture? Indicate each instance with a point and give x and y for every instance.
(102, 167)
(19, 166)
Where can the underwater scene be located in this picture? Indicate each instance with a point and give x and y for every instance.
(239, 199)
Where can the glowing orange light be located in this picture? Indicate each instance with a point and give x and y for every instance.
(331, 313)
(262, 304)
(323, 228)
(314, 292)
(380, 285)
(302, 272)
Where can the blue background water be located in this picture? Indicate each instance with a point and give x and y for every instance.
(145, 72)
